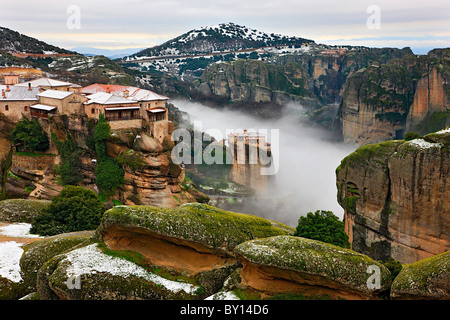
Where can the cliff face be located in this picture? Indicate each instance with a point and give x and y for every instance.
(150, 176)
(395, 196)
(255, 81)
(382, 102)
(5, 152)
(313, 78)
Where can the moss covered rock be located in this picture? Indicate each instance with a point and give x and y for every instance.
(284, 264)
(425, 279)
(21, 210)
(10, 290)
(38, 252)
(87, 273)
(212, 227)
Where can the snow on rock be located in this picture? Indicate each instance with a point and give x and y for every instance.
(447, 130)
(90, 259)
(424, 144)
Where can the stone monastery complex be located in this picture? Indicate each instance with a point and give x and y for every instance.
(124, 107)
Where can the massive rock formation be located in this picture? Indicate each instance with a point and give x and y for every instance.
(382, 102)
(142, 252)
(314, 78)
(197, 251)
(151, 178)
(284, 264)
(395, 196)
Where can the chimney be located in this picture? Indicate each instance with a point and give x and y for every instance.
(29, 86)
(7, 88)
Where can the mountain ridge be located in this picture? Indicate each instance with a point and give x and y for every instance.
(222, 37)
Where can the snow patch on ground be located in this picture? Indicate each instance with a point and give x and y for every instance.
(10, 253)
(18, 230)
(223, 295)
(90, 259)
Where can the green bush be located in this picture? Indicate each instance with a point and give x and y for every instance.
(29, 135)
(109, 174)
(394, 267)
(323, 226)
(74, 209)
(411, 135)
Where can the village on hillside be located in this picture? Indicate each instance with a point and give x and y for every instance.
(124, 107)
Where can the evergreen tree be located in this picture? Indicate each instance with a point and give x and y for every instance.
(29, 135)
(323, 226)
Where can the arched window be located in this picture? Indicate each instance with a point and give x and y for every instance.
(6, 108)
(26, 108)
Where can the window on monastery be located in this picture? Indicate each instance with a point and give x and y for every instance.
(93, 110)
(6, 108)
(26, 108)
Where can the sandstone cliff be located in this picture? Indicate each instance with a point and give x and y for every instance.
(256, 81)
(396, 198)
(314, 78)
(150, 176)
(5, 152)
(383, 102)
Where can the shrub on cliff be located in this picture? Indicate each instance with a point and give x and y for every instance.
(75, 209)
(29, 135)
(323, 226)
(109, 173)
(70, 153)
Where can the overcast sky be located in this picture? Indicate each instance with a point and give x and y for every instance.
(120, 24)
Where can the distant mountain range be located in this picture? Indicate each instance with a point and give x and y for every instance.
(109, 53)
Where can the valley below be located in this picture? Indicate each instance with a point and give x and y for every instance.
(308, 158)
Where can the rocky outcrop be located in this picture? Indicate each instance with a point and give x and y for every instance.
(205, 235)
(382, 102)
(430, 97)
(142, 252)
(5, 152)
(427, 279)
(39, 252)
(21, 210)
(395, 197)
(151, 178)
(197, 251)
(288, 264)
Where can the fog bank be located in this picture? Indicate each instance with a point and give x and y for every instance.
(306, 179)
